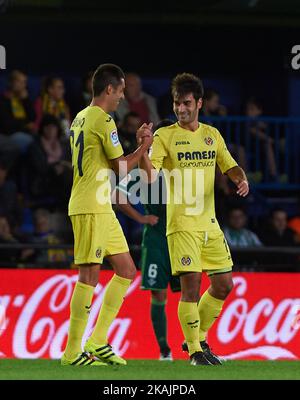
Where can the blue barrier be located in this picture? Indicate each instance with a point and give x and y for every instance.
(272, 163)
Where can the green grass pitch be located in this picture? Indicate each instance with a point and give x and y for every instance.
(149, 369)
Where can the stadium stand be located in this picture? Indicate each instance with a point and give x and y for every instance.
(35, 178)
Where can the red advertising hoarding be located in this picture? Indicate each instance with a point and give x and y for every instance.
(260, 319)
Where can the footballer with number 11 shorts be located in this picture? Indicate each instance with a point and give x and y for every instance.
(97, 233)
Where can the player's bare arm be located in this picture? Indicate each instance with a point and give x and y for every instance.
(238, 176)
(150, 173)
(144, 131)
(122, 165)
(127, 209)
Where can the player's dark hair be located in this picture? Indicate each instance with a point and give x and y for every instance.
(185, 83)
(106, 74)
(86, 77)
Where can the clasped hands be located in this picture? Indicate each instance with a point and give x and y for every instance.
(144, 135)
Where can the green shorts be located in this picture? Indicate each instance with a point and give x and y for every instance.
(155, 264)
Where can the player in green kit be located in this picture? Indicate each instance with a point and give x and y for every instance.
(155, 260)
(188, 153)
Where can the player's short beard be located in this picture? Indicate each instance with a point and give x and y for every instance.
(192, 116)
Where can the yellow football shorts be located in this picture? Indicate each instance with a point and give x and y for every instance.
(97, 236)
(199, 251)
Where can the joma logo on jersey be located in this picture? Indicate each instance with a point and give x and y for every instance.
(182, 142)
(196, 155)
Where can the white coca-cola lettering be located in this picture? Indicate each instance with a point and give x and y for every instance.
(56, 346)
(19, 300)
(120, 326)
(282, 331)
(4, 320)
(263, 307)
(235, 314)
(251, 325)
(5, 300)
(67, 285)
(61, 289)
(268, 352)
(45, 324)
(239, 318)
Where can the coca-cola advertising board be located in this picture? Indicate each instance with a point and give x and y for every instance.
(260, 319)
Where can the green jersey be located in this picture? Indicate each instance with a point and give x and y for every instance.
(152, 196)
(155, 260)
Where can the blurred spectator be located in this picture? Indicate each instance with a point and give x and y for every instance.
(43, 234)
(294, 225)
(6, 237)
(225, 196)
(137, 101)
(52, 102)
(211, 104)
(16, 111)
(128, 129)
(277, 232)
(9, 151)
(49, 165)
(9, 204)
(212, 107)
(165, 105)
(236, 232)
(85, 96)
(260, 143)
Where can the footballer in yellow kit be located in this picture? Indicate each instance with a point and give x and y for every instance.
(188, 153)
(97, 232)
(96, 151)
(195, 240)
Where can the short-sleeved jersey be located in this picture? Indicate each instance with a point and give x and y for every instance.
(94, 141)
(189, 162)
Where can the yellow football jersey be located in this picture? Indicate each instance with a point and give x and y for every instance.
(94, 141)
(189, 160)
